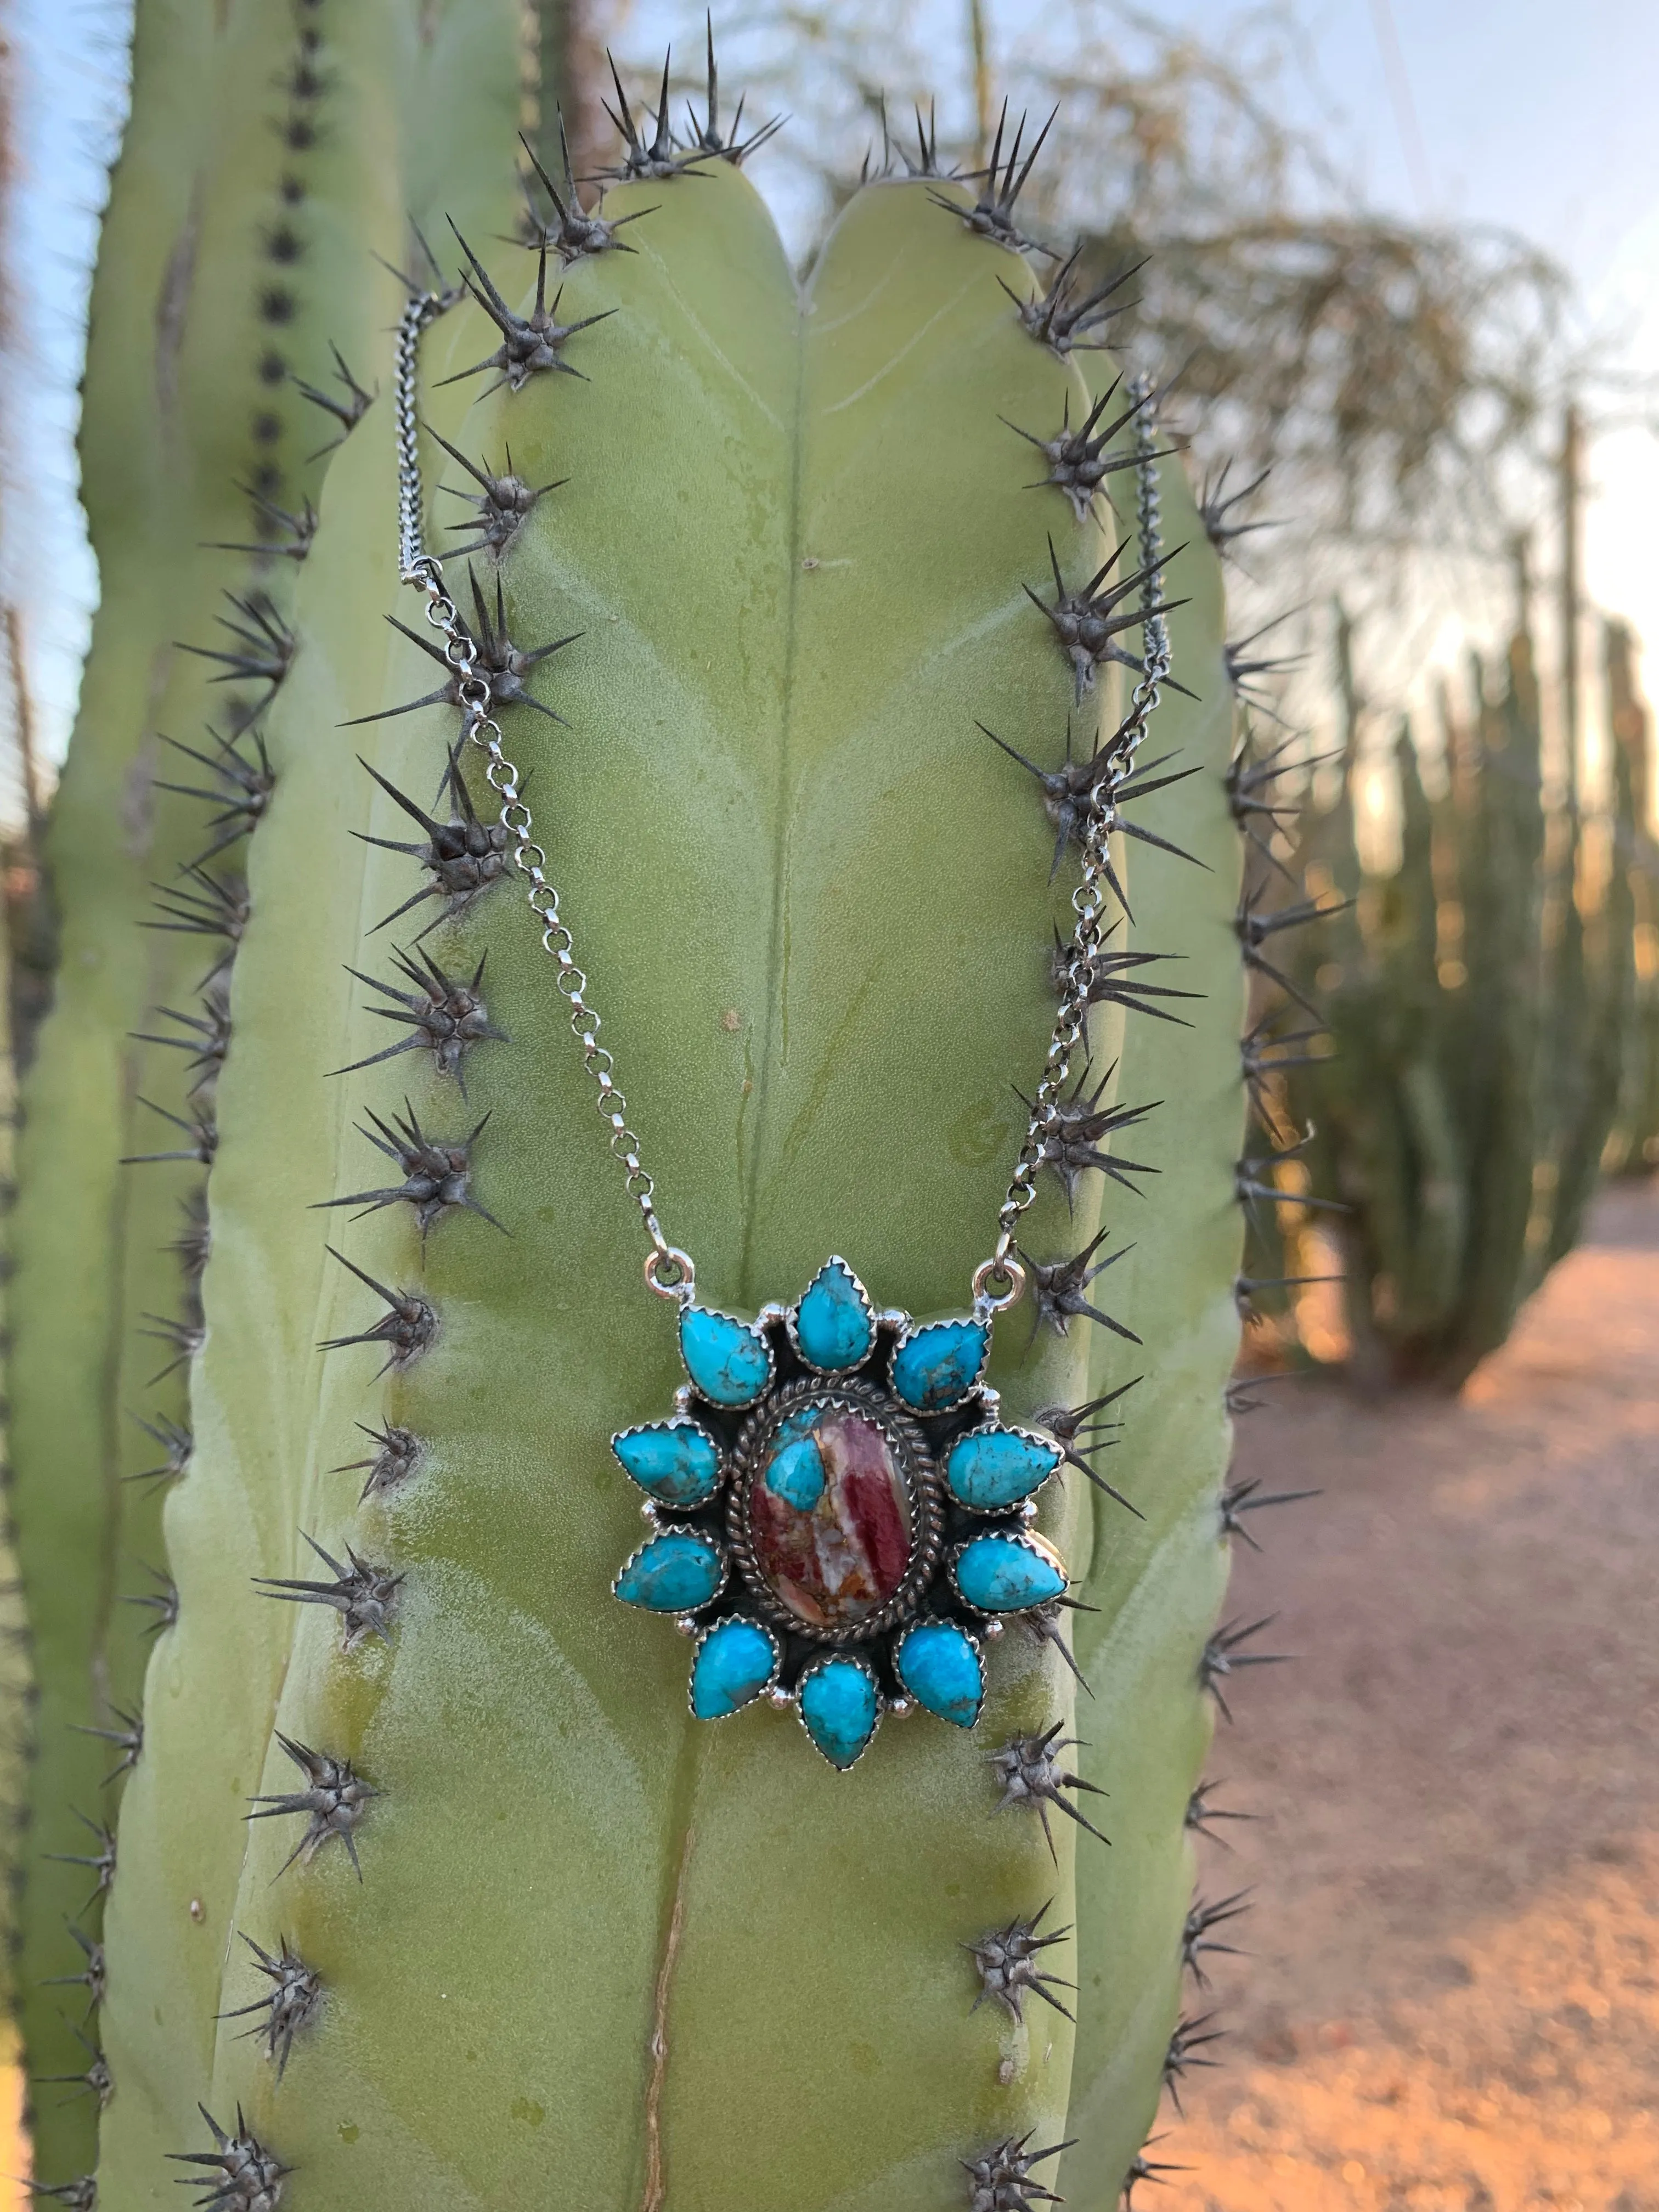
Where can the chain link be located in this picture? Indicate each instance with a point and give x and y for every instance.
(1088, 900)
(414, 564)
(1000, 1281)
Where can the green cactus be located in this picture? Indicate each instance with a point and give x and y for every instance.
(16, 1667)
(1633, 1147)
(427, 1887)
(1478, 1027)
(1385, 1147)
(235, 255)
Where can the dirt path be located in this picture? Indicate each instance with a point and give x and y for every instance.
(1453, 2002)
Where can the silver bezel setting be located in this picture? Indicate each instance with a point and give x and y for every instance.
(680, 1613)
(922, 1492)
(1028, 1540)
(908, 1334)
(679, 1418)
(994, 1427)
(708, 1628)
(869, 1314)
(756, 1328)
(843, 1659)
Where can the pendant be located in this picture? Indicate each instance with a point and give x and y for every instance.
(839, 1516)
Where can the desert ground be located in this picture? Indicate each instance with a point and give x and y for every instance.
(1451, 2002)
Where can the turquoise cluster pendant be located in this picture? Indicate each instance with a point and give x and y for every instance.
(839, 1516)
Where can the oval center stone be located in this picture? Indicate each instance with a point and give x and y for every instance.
(833, 1552)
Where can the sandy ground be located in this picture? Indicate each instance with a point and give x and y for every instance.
(1453, 2000)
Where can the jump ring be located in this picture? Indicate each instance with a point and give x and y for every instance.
(1006, 1271)
(683, 1282)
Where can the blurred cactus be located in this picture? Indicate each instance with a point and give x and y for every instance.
(1478, 998)
(1633, 1147)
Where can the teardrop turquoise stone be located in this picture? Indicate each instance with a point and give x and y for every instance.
(834, 1325)
(939, 1666)
(1005, 1574)
(796, 1474)
(674, 1573)
(839, 1710)
(670, 1460)
(800, 1423)
(734, 1663)
(990, 1468)
(727, 1359)
(938, 1366)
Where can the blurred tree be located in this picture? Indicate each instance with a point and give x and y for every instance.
(1400, 379)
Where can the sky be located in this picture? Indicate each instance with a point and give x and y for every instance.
(1498, 112)
(1485, 111)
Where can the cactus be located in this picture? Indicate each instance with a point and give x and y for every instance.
(427, 1887)
(16, 1666)
(1633, 1147)
(271, 149)
(1478, 1016)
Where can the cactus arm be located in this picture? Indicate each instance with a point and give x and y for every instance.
(1631, 1149)
(1427, 1263)
(66, 1234)
(572, 1236)
(1609, 953)
(544, 1798)
(188, 260)
(17, 1670)
(1433, 1101)
(1493, 1059)
(1430, 1255)
(1465, 1122)
(1157, 1581)
(1387, 1137)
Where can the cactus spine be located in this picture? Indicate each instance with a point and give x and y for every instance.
(505, 1911)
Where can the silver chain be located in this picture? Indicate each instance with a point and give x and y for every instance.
(414, 564)
(1089, 899)
(668, 1270)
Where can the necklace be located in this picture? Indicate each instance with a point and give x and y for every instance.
(838, 1515)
